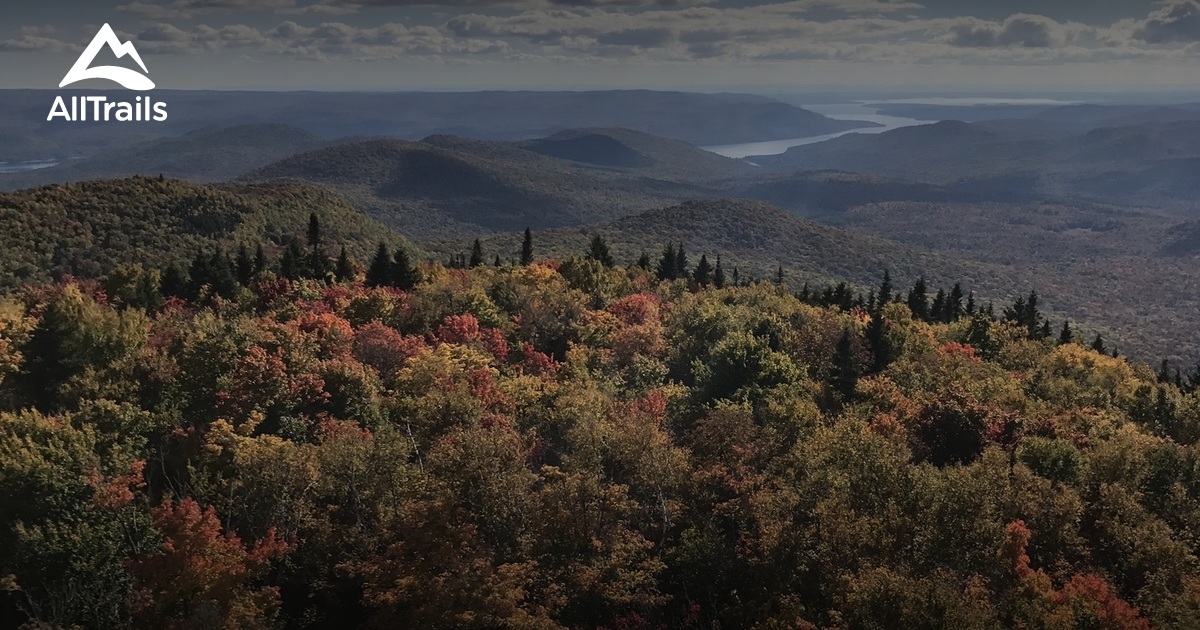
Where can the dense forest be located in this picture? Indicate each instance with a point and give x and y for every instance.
(250, 440)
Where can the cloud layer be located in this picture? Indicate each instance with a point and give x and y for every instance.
(641, 30)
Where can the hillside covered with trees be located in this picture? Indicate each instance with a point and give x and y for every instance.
(316, 439)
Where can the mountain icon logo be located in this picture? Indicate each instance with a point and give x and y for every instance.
(130, 79)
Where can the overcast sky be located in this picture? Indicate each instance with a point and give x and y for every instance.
(756, 45)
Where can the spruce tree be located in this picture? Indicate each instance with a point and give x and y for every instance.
(643, 261)
(343, 270)
(681, 262)
(260, 260)
(317, 264)
(703, 273)
(1098, 344)
(314, 232)
(1045, 332)
(918, 301)
(877, 340)
(174, 282)
(244, 266)
(476, 254)
(938, 311)
(1066, 335)
(971, 303)
(779, 275)
(405, 275)
(666, 265)
(527, 249)
(497, 261)
(844, 374)
(223, 278)
(291, 264)
(379, 274)
(737, 281)
(718, 277)
(598, 251)
(885, 290)
(954, 304)
(199, 275)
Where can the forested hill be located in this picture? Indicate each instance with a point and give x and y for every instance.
(87, 229)
(568, 444)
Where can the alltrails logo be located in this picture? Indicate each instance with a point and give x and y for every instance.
(99, 108)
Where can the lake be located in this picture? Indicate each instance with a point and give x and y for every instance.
(839, 111)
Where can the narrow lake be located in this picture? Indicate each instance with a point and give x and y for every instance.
(839, 111)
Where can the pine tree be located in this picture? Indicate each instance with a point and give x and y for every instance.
(598, 251)
(527, 249)
(292, 262)
(260, 260)
(1045, 332)
(937, 312)
(971, 303)
(174, 282)
(343, 270)
(1098, 344)
(681, 262)
(877, 340)
(718, 275)
(954, 304)
(737, 281)
(244, 266)
(48, 363)
(317, 264)
(379, 274)
(918, 301)
(703, 273)
(779, 275)
(885, 290)
(199, 275)
(476, 254)
(1066, 335)
(405, 275)
(314, 232)
(843, 376)
(666, 265)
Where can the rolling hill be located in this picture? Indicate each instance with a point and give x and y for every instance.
(445, 185)
(87, 229)
(205, 155)
(650, 155)
(1149, 162)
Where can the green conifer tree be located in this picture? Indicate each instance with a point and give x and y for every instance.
(703, 273)
(379, 274)
(527, 249)
(598, 251)
(718, 278)
(476, 254)
(344, 269)
(405, 274)
(918, 300)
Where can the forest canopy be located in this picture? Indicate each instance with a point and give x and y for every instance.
(314, 442)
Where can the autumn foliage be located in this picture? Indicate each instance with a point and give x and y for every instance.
(568, 445)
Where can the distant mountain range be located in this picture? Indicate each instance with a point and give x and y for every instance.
(701, 119)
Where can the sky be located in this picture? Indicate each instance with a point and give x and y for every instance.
(704, 45)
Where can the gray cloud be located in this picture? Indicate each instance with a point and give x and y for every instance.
(1030, 31)
(1174, 23)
